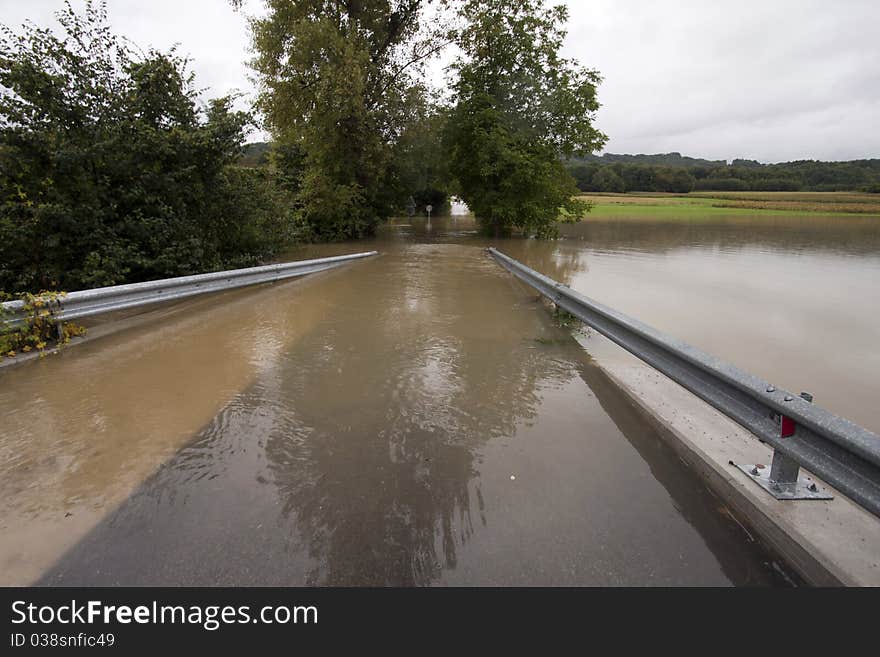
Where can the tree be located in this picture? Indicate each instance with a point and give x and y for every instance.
(519, 108)
(110, 171)
(606, 180)
(583, 176)
(339, 81)
(674, 180)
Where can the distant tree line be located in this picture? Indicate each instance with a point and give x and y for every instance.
(671, 172)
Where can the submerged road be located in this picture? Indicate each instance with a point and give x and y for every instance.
(414, 419)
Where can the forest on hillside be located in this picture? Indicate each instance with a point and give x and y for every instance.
(672, 172)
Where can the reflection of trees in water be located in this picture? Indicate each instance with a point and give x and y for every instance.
(554, 258)
(384, 518)
(355, 458)
(385, 486)
(841, 234)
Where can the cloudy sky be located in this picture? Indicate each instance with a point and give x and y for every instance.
(771, 80)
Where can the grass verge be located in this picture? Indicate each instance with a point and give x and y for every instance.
(704, 204)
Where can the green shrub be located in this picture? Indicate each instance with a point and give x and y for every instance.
(41, 326)
(111, 171)
(721, 185)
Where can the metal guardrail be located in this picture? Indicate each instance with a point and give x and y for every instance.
(842, 453)
(86, 303)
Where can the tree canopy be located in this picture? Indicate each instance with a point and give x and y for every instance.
(519, 107)
(111, 170)
(340, 83)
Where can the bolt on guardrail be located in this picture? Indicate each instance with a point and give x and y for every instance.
(801, 434)
(86, 303)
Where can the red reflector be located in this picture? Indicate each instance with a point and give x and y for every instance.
(787, 427)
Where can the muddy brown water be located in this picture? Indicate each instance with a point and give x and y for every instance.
(413, 419)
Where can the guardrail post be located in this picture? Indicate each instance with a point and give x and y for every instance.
(784, 481)
(783, 472)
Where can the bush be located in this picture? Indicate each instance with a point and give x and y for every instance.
(721, 185)
(111, 171)
(40, 326)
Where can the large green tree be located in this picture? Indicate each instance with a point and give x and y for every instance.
(339, 83)
(111, 171)
(519, 107)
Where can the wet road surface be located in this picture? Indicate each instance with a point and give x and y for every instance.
(414, 419)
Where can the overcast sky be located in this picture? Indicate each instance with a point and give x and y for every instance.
(771, 80)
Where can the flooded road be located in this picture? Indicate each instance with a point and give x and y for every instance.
(413, 419)
(794, 300)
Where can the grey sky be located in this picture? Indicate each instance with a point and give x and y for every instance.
(766, 79)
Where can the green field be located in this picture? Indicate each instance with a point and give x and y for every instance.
(708, 204)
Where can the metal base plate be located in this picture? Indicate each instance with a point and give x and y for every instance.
(804, 489)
